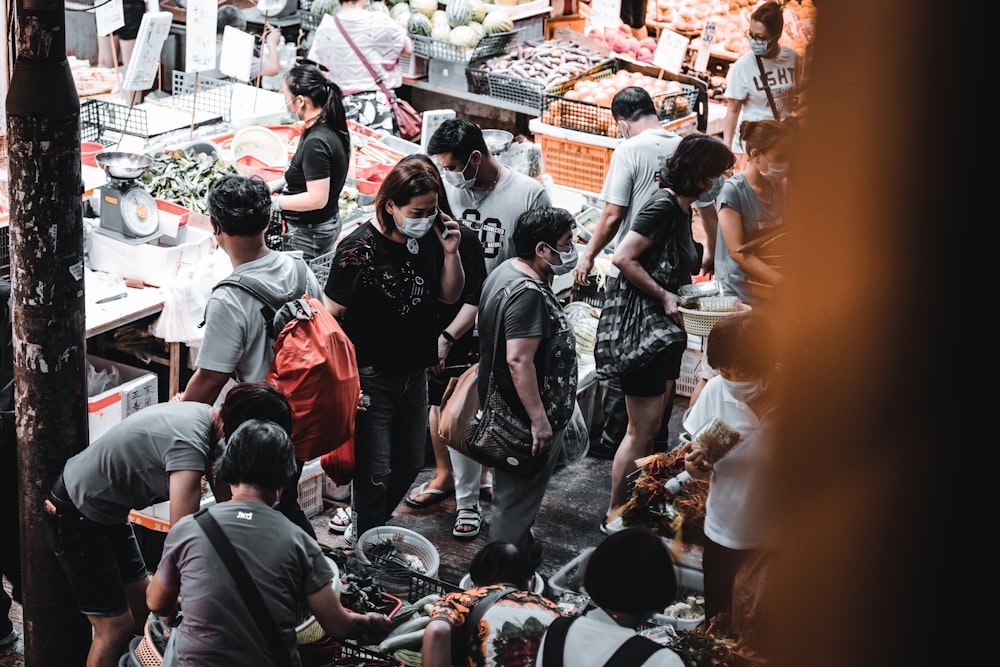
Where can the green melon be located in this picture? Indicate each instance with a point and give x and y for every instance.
(459, 12)
(478, 10)
(440, 16)
(463, 35)
(419, 24)
(440, 31)
(425, 7)
(399, 9)
(478, 27)
(497, 21)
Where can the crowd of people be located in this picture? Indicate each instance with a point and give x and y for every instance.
(461, 255)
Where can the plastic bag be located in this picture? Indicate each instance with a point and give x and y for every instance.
(576, 440)
(101, 380)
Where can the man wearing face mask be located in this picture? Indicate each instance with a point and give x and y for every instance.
(531, 352)
(632, 178)
(743, 395)
(482, 192)
(762, 83)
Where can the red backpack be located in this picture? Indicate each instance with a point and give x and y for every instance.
(314, 365)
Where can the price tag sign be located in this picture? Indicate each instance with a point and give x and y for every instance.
(705, 47)
(605, 13)
(144, 65)
(109, 17)
(199, 54)
(237, 52)
(671, 49)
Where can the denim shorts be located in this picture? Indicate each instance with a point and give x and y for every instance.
(98, 560)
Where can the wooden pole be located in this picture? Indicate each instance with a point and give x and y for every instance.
(46, 244)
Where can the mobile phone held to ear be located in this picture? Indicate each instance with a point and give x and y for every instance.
(439, 223)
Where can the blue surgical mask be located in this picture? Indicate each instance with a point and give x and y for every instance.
(569, 260)
(759, 46)
(416, 228)
(458, 179)
(710, 195)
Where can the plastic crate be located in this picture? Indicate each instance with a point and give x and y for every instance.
(422, 585)
(575, 164)
(307, 20)
(477, 78)
(321, 266)
(413, 67)
(436, 49)
(558, 110)
(311, 488)
(689, 364)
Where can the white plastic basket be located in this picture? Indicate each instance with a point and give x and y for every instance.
(700, 322)
(406, 542)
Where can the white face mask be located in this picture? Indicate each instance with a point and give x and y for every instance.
(713, 192)
(458, 179)
(416, 228)
(569, 259)
(747, 390)
(776, 171)
(759, 46)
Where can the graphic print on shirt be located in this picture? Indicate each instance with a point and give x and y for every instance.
(782, 83)
(491, 231)
(400, 284)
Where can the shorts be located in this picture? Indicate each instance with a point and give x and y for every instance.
(98, 560)
(133, 10)
(633, 13)
(651, 379)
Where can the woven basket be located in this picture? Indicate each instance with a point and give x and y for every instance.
(700, 322)
(309, 630)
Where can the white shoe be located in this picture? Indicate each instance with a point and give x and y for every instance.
(341, 521)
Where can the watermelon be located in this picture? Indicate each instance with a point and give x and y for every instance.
(497, 21)
(419, 24)
(478, 27)
(425, 7)
(459, 13)
(477, 10)
(440, 31)
(463, 35)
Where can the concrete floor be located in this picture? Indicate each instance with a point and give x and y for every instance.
(567, 523)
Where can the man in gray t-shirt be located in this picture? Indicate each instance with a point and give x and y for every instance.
(483, 193)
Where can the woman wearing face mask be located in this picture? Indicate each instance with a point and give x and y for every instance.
(752, 203)
(310, 199)
(385, 283)
(768, 66)
(657, 256)
(744, 397)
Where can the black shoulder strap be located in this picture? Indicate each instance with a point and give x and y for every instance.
(635, 651)
(767, 88)
(260, 290)
(251, 594)
(475, 615)
(555, 641)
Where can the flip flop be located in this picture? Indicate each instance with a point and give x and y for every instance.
(436, 496)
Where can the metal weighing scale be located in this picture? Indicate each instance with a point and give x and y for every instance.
(127, 212)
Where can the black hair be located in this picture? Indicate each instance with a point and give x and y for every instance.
(743, 342)
(632, 103)
(698, 157)
(309, 81)
(543, 223)
(229, 16)
(769, 13)
(459, 137)
(631, 572)
(248, 400)
(501, 563)
(240, 206)
(259, 452)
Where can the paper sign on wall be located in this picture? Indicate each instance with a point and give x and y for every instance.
(671, 49)
(237, 52)
(109, 17)
(200, 41)
(142, 69)
(605, 13)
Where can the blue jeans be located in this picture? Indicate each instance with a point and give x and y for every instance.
(388, 442)
(313, 240)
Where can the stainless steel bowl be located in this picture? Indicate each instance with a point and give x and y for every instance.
(117, 164)
(497, 141)
(689, 294)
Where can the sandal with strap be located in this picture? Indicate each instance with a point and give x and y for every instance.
(468, 523)
(341, 521)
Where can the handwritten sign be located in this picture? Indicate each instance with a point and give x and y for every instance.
(237, 52)
(671, 49)
(199, 54)
(605, 13)
(145, 63)
(705, 46)
(109, 17)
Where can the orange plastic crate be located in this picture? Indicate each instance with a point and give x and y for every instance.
(574, 164)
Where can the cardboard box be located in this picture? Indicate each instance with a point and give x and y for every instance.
(138, 390)
(154, 263)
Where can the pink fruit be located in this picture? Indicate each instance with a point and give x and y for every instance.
(649, 43)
